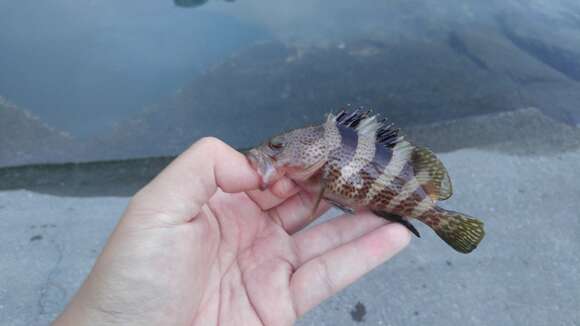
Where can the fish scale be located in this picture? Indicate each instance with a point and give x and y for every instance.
(357, 161)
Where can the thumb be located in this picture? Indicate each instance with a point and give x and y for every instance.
(178, 193)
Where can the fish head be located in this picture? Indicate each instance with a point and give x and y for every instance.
(297, 154)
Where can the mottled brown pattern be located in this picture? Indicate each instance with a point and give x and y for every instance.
(406, 207)
(391, 190)
(337, 159)
(431, 218)
(352, 189)
(357, 193)
(332, 174)
(314, 142)
(368, 181)
(366, 164)
(382, 199)
(340, 156)
(388, 169)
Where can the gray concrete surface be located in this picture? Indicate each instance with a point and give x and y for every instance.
(526, 272)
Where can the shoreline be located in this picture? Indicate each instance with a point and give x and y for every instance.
(524, 132)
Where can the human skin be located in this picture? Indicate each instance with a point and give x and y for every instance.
(201, 245)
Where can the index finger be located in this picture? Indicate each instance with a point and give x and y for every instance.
(325, 275)
(179, 192)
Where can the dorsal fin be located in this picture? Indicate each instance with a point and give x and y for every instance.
(386, 133)
(431, 174)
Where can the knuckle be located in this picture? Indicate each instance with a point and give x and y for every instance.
(207, 146)
(209, 142)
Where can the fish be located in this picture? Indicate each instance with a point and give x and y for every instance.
(357, 161)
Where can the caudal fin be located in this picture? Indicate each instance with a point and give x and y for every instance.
(460, 231)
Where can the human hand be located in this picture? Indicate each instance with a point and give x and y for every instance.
(201, 245)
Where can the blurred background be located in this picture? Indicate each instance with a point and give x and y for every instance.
(97, 96)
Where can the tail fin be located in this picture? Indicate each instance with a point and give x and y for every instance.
(460, 231)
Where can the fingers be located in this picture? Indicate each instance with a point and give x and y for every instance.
(297, 211)
(287, 205)
(177, 194)
(325, 275)
(338, 231)
(275, 195)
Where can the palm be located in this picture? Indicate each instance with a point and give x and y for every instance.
(256, 257)
(263, 270)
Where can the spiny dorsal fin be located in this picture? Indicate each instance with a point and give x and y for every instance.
(431, 174)
(363, 120)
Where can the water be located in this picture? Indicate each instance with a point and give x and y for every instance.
(117, 77)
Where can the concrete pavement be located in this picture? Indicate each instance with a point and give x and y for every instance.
(526, 272)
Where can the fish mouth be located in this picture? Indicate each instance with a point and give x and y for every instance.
(265, 166)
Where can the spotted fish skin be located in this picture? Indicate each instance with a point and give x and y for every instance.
(358, 161)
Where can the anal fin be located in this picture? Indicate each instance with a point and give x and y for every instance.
(398, 219)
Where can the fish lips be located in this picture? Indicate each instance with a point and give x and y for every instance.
(265, 166)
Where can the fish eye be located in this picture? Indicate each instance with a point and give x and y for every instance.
(275, 143)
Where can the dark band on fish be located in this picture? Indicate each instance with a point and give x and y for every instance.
(349, 142)
(382, 157)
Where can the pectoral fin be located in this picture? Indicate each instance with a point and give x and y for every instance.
(343, 208)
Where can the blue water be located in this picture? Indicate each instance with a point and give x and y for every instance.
(147, 78)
